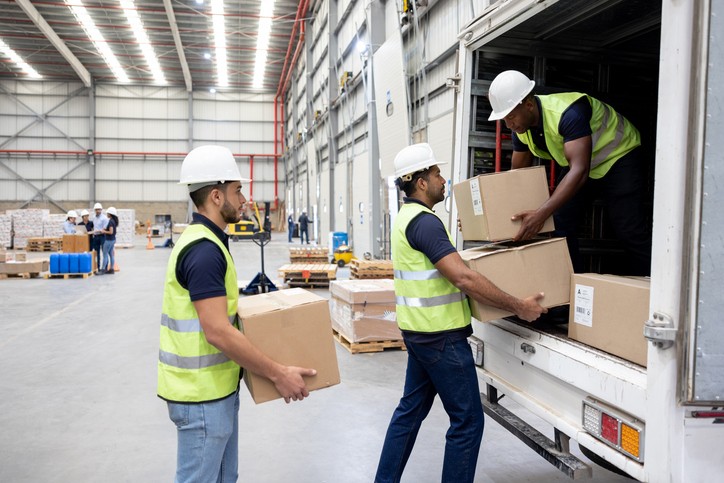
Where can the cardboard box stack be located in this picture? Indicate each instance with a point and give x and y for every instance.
(292, 327)
(24, 267)
(522, 269)
(608, 312)
(364, 310)
(27, 224)
(486, 203)
(6, 229)
(126, 228)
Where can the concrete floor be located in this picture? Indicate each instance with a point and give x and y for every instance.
(78, 378)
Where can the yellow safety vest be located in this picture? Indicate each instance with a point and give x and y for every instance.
(613, 135)
(426, 301)
(189, 368)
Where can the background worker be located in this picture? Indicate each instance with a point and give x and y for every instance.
(304, 222)
(431, 284)
(201, 347)
(290, 226)
(109, 242)
(599, 150)
(100, 221)
(69, 223)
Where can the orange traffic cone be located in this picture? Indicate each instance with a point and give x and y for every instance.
(115, 266)
(149, 245)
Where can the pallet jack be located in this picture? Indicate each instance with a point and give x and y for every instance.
(260, 283)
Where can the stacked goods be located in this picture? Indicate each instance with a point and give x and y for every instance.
(45, 244)
(363, 314)
(53, 225)
(308, 255)
(486, 203)
(292, 327)
(23, 269)
(27, 224)
(371, 269)
(6, 229)
(308, 274)
(126, 228)
(76, 243)
(522, 269)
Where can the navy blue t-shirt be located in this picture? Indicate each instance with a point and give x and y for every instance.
(575, 123)
(201, 267)
(427, 234)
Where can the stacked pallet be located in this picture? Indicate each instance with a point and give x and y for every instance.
(126, 228)
(6, 230)
(366, 269)
(23, 269)
(27, 224)
(44, 244)
(311, 275)
(308, 255)
(53, 225)
(363, 315)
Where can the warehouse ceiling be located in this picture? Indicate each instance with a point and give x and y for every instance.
(155, 42)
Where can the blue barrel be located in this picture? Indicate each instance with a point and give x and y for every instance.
(73, 262)
(54, 258)
(86, 262)
(63, 261)
(339, 238)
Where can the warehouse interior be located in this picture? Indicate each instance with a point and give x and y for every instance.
(101, 100)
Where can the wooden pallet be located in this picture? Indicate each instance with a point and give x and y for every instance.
(66, 276)
(308, 255)
(313, 259)
(48, 244)
(25, 275)
(361, 269)
(364, 347)
(308, 274)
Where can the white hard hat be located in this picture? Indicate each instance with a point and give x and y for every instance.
(112, 211)
(84, 213)
(414, 158)
(208, 165)
(98, 206)
(72, 214)
(506, 91)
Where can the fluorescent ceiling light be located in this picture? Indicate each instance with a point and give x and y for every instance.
(18, 60)
(262, 42)
(129, 8)
(80, 12)
(217, 16)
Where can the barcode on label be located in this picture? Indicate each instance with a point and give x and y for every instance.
(580, 310)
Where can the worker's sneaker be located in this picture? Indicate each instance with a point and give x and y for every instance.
(111, 272)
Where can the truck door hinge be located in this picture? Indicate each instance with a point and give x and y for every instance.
(660, 330)
(454, 82)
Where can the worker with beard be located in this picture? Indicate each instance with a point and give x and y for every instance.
(431, 288)
(202, 350)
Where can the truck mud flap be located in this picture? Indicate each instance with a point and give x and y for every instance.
(555, 452)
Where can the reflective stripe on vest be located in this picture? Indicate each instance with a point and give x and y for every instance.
(189, 368)
(425, 300)
(612, 135)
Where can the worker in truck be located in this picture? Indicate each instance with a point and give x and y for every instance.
(431, 285)
(201, 348)
(599, 150)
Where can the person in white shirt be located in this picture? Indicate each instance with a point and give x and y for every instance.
(69, 224)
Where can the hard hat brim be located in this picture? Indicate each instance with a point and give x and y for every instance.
(495, 116)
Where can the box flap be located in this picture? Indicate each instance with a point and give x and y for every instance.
(380, 291)
(486, 250)
(273, 301)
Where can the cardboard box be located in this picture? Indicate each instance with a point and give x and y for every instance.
(608, 312)
(522, 269)
(364, 322)
(486, 203)
(292, 327)
(76, 243)
(36, 266)
(369, 291)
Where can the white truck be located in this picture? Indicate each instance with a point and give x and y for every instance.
(663, 63)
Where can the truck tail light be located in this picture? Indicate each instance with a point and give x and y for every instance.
(614, 427)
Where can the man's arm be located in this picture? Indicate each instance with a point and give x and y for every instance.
(227, 338)
(578, 154)
(521, 159)
(486, 292)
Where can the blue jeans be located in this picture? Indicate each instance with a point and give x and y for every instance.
(302, 233)
(450, 372)
(208, 440)
(98, 241)
(291, 232)
(108, 255)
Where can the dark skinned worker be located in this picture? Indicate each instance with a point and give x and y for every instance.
(599, 151)
(432, 284)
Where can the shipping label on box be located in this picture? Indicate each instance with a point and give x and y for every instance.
(487, 202)
(292, 327)
(522, 269)
(608, 312)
